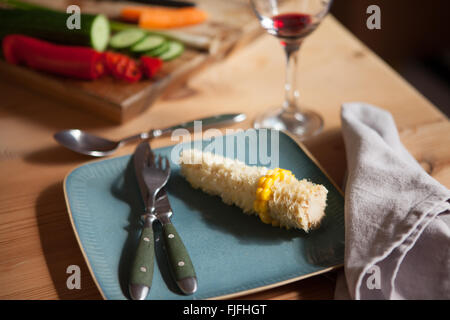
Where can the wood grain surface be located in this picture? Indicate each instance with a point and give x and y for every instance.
(37, 243)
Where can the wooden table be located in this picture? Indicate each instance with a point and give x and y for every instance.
(37, 243)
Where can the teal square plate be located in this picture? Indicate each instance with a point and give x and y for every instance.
(233, 253)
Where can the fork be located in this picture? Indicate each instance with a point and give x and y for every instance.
(155, 178)
(180, 264)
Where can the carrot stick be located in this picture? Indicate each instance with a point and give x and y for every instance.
(163, 18)
(131, 13)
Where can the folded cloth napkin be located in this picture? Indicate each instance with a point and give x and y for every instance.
(397, 218)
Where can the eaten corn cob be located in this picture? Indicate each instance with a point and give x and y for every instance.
(276, 196)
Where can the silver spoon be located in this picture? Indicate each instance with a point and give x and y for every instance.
(91, 145)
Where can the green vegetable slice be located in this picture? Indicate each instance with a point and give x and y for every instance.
(148, 43)
(100, 32)
(175, 50)
(127, 38)
(158, 51)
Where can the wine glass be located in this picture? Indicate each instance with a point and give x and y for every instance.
(291, 21)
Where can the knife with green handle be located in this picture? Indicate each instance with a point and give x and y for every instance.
(142, 268)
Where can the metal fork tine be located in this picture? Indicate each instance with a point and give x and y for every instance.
(156, 177)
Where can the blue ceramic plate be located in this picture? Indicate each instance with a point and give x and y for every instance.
(233, 253)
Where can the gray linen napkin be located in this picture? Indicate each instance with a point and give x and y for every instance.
(396, 216)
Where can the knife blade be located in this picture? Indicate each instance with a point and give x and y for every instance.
(209, 122)
(143, 264)
(140, 159)
(167, 3)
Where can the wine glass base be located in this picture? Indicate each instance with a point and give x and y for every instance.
(302, 125)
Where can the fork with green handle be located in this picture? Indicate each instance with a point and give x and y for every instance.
(180, 263)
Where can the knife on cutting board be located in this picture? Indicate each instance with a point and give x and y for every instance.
(166, 3)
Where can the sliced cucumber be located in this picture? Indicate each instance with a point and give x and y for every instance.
(127, 38)
(100, 32)
(148, 43)
(175, 49)
(158, 51)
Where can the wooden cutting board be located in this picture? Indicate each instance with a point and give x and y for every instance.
(231, 24)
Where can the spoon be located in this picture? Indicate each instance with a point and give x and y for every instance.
(91, 145)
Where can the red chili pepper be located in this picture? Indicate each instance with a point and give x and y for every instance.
(132, 72)
(71, 61)
(122, 67)
(118, 70)
(8, 50)
(110, 60)
(150, 66)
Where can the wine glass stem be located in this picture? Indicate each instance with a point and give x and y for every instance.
(291, 93)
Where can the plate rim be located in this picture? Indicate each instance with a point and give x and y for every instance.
(222, 297)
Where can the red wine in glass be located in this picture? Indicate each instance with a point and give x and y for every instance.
(292, 26)
(291, 21)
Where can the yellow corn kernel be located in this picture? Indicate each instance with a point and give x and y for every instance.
(265, 194)
(268, 183)
(264, 216)
(259, 191)
(260, 206)
(261, 181)
(263, 206)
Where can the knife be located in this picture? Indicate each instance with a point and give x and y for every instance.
(180, 263)
(167, 3)
(209, 122)
(142, 266)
